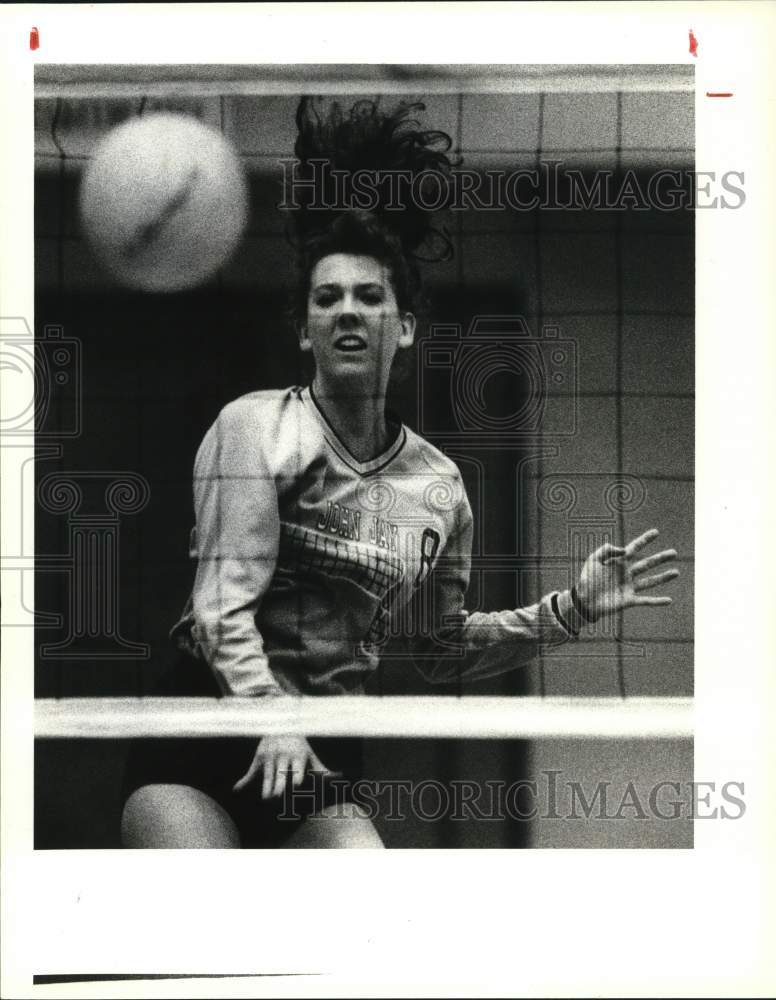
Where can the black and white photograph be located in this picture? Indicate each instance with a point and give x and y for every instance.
(355, 431)
(378, 394)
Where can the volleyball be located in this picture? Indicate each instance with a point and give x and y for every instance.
(163, 202)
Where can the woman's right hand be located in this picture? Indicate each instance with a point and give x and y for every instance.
(277, 757)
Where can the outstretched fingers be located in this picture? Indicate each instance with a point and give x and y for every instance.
(648, 582)
(316, 764)
(297, 770)
(652, 601)
(641, 542)
(249, 775)
(282, 771)
(608, 552)
(667, 555)
(268, 778)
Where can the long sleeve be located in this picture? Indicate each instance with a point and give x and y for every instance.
(451, 644)
(237, 532)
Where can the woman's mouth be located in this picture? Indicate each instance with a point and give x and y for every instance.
(350, 342)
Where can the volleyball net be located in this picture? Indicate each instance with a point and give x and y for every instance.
(608, 117)
(407, 717)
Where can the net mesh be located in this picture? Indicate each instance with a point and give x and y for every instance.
(617, 285)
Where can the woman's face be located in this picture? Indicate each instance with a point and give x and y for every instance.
(354, 325)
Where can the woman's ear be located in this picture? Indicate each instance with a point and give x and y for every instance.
(407, 335)
(305, 344)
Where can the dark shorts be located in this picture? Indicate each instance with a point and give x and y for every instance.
(214, 764)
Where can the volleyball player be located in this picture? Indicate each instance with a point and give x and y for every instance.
(323, 524)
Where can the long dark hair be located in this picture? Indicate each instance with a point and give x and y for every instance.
(366, 138)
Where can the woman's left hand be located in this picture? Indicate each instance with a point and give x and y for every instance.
(281, 760)
(612, 579)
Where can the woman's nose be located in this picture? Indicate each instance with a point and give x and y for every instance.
(348, 314)
(348, 303)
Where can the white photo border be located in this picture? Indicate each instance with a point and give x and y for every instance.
(678, 923)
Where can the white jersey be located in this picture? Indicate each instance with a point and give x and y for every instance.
(308, 560)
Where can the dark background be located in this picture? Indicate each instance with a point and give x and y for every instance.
(157, 369)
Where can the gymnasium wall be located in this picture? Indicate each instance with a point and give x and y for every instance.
(157, 368)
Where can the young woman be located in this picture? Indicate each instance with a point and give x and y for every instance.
(322, 524)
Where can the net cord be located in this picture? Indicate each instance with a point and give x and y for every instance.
(437, 717)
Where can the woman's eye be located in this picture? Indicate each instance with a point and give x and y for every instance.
(372, 298)
(325, 300)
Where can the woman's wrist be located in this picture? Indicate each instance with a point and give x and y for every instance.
(567, 614)
(580, 607)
